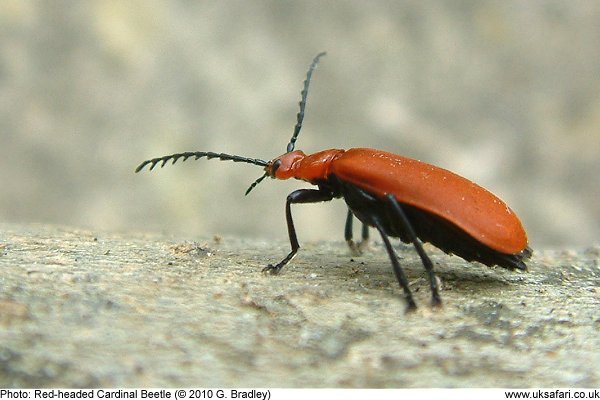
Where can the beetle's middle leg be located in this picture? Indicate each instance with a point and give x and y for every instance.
(356, 248)
(369, 208)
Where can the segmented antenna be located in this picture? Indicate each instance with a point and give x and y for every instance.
(256, 182)
(228, 157)
(304, 93)
(198, 154)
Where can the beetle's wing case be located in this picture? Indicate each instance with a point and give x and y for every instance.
(473, 209)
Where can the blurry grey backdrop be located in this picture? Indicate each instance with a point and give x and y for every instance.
(506, 93)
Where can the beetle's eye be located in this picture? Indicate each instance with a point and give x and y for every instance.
(275, 167)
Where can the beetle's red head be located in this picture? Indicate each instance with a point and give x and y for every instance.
(283, 166)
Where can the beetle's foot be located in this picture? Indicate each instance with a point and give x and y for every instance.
(354, 248)
(411, 307)
(436, 299)
(272, 269)
(358, 248)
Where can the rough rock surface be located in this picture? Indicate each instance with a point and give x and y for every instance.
(90, 308)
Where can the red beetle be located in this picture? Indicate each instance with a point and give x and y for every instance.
(398, 196)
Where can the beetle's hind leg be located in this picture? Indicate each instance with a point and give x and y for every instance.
(407, 228)
(356, 248)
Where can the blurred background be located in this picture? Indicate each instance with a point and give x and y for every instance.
(506, 93)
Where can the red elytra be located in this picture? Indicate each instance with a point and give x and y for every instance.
(400, 197)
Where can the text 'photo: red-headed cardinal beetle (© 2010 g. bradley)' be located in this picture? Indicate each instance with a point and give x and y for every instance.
(399, 197)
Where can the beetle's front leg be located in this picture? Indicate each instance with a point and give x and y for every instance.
(297, 196)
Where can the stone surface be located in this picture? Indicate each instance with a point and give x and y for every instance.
(92, 308)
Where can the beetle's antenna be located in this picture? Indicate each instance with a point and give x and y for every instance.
(256, 182)
(304, 93)
(199, 154)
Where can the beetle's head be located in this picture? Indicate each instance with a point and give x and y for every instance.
(281, 167)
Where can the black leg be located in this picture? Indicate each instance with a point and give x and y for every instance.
(370, 207)
(355, 248)
(298, 196)
(365, 234)
(411, 305)
(348, 228)
(367, 203)
(410, 232)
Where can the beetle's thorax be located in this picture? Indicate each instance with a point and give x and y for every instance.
(296, 164)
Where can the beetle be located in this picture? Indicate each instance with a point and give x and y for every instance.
(398, 196)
